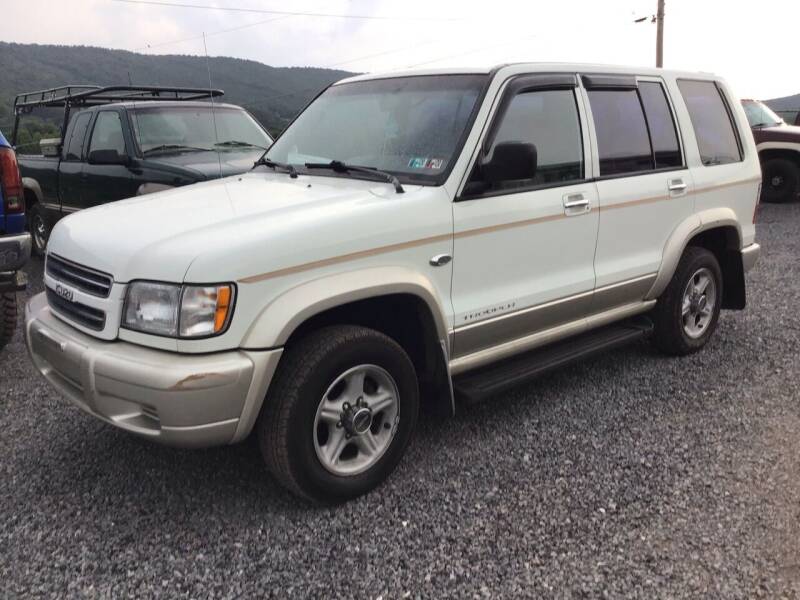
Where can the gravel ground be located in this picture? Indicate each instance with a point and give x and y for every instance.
(629, 475)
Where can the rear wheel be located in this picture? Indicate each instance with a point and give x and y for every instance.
(40, 230)
(780, 179)
(8, 317)
(339, 413)
(686, 314)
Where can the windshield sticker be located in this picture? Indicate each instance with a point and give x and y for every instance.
(425, 163)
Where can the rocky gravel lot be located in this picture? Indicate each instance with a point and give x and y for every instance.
(631, 475)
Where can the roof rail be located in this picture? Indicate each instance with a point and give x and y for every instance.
(95, 95)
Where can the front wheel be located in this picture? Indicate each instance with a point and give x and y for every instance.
(39, 228)
(339, 413)
(686, 314)
(780, 180)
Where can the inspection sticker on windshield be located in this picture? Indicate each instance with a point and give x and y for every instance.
(425, 163)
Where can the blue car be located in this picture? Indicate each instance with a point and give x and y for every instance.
(15, 243)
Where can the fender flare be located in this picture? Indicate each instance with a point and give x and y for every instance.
(680, 237)
(793, 146)
(29, 183)
(283, 314)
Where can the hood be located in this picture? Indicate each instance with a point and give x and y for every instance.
(210, 163)
(159, 236)
(779, 133)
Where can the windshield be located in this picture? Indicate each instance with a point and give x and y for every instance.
(173, 128)
(759, 113)
(409, 126)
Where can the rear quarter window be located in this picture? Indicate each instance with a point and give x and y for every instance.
(716, 137)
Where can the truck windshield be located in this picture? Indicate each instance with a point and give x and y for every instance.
(164, 129)
(759, 114)
(408, 126)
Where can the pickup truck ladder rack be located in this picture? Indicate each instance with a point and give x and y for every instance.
(69, 96)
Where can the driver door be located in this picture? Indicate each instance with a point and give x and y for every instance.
(524, 248)
(101, 183)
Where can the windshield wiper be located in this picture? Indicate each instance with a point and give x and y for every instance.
(761, 125)
(340, 167)
(173, 147)
(268, 162)
(238, 144)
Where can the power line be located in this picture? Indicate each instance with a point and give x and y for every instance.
(396, 50)
(284, 12)
(220, 32)
(259, 101)
(506, 43)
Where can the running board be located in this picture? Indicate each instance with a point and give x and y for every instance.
(479, 384)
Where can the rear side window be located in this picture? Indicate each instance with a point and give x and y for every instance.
(716, 137)
(548, 120)
(623, 143)
(666, 150)
(75, 144)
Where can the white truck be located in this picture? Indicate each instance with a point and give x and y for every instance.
(416, 238)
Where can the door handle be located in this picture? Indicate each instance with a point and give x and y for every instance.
(572, 202)
(440, 260)
(677, 185)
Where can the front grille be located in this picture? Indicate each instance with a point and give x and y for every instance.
(85, 279)
(89, 317)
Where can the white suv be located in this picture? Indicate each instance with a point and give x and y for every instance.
(413, 238)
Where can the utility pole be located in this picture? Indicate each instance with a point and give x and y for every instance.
(660, 34)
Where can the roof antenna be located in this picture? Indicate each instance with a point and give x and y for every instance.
(137, 129)
(211, 97)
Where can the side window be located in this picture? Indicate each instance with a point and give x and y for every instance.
(107, 133)
(75, 144)
(623, 143)
(716, 137)
(666, 150)
(548, 124)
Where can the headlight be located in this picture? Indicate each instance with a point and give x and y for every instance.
(188, 311)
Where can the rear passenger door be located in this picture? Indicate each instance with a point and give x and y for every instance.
(524, 246)
(644, 187)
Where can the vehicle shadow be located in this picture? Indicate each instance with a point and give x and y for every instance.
(91, 460)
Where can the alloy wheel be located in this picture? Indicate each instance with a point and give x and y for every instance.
(699, 302)
(356, 420)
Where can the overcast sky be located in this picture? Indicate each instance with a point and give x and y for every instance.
(753, 44)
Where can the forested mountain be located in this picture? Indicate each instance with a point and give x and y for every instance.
(786, 107)
(785, 103)
(273, 94)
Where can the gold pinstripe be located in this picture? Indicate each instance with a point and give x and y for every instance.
(462, 234)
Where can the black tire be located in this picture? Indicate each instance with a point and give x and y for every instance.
(780, 180)
(670, 335)
(8, 317)
(306, 371)
(39, 228)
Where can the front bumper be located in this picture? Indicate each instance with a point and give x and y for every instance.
(750, 256)
(186, 400)
(15, 250)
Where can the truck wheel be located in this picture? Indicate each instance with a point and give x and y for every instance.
(40, 230)
(339, 413)
(686, 314)
(8, 317)
(780, 179)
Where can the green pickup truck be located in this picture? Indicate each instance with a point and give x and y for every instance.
(124, 141)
